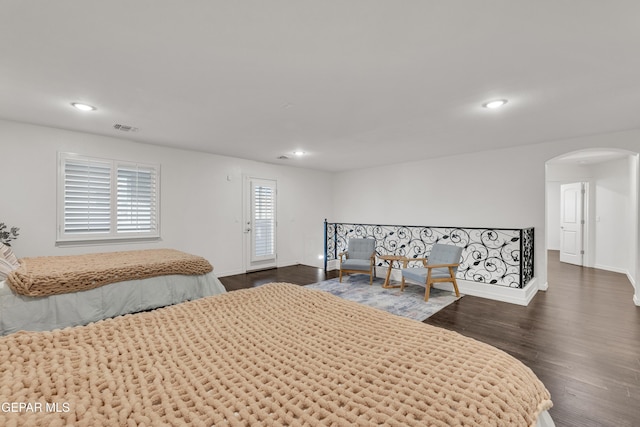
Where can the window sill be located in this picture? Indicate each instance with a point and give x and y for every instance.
(107, 241)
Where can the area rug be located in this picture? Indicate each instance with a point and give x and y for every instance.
(409, 303)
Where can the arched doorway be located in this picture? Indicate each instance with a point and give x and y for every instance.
(605, 214)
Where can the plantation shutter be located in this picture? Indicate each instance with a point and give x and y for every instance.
(136, 199)
(102, 199)
(87, 196)
(264, 219)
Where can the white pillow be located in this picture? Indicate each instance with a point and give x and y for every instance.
(8, 261)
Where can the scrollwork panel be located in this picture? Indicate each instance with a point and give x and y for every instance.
(502, 257)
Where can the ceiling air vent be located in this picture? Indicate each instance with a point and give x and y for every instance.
(125, 128)
(283, 158)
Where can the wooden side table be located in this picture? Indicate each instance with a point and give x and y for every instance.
(391, 259)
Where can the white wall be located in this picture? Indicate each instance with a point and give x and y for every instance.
(634, 191)
(201, 211)
(613, 216)
(553, 215)
(502, 188)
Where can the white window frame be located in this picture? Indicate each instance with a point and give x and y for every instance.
(112, 234)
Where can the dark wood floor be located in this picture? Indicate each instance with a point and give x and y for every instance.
(581, 337)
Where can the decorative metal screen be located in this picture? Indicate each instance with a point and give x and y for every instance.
(496, 256)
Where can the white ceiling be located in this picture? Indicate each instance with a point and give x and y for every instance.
(354, 83)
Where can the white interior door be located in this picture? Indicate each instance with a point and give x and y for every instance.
(572, 223)
(260, 223)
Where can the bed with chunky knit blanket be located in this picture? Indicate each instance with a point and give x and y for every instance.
(54, 275)
(277, 355)
(47, 293)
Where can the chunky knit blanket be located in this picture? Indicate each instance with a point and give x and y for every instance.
(61, 274)
(277, 355)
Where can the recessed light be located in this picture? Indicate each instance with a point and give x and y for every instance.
(83, 107)
(298, 153)
(496, 103)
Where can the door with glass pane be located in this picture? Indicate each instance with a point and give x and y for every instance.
(260, 223)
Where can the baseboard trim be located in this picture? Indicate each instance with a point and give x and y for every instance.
(498, 293)
(228, 273)
(287, 263)
(483, 290)
(334, 265)
(636, 300)
(612, 269)
(240, 271)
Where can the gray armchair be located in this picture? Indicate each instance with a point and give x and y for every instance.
(360, 257)
(441, 266)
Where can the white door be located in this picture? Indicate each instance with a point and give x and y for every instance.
(260, 223)
(572, 223)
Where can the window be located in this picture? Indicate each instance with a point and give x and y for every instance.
(263, 202)
(102, 199)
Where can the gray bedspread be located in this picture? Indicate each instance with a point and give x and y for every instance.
(19, 312)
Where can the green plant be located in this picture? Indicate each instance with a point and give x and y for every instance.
(8, 235)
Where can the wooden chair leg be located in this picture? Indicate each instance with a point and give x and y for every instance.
(453, 280)
(428, 286)
(370, 277)
(402, 285)
(340, 276)
(455, 287)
